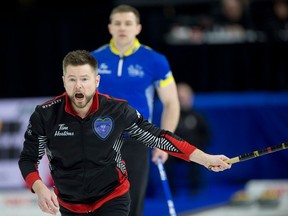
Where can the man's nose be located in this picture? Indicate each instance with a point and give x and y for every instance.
(78, 84)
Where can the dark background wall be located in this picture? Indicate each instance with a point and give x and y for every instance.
(36, 35)
(35, 39)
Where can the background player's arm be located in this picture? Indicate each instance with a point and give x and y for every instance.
(170, 114)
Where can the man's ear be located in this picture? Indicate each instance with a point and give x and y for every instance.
(109, 27)
(63, 81)
(139, 29)
(98, 80)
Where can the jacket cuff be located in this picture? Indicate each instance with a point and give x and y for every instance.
(31, 178)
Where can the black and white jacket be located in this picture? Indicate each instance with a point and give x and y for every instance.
(84, 154)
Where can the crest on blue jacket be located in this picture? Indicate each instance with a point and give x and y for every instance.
(102, 126)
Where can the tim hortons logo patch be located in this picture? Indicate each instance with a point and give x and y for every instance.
(103, 126)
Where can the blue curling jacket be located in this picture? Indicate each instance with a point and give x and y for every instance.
(134, 75)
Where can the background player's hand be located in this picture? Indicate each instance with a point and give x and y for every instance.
(156, 153)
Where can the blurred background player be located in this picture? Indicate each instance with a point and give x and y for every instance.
(132, 71)
(194, 127)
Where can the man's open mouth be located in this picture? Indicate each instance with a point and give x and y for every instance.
(79, 95)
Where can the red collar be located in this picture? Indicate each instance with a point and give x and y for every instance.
(69, 109)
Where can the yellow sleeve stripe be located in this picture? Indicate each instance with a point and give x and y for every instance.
(167, 81)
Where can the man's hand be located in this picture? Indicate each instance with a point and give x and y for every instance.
(47, 199)
(215, 163)
(159, 153)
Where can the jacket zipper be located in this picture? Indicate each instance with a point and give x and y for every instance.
(120, 66)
